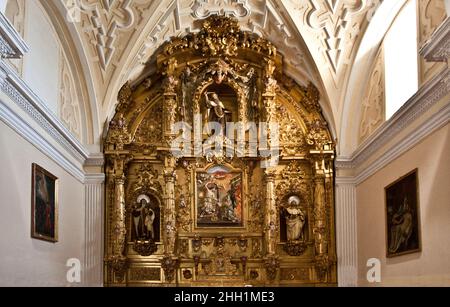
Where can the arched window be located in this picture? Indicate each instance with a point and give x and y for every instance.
(401, 59)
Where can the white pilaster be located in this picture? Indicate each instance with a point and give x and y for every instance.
(93, 259)
(346, 232)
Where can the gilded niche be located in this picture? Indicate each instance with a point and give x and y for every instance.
(219, 170)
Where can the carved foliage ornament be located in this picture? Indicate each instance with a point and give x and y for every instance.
(220, 36)
(169, 266)
(145, 248)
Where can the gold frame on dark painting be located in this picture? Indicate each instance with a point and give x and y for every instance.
(34, 234)
(418, 221)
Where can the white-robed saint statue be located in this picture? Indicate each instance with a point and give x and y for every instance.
(295, 220)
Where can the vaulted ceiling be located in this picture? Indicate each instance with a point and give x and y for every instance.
(116, 39)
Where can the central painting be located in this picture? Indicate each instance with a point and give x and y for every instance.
(219, 198)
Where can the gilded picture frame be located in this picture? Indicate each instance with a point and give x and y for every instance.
(44, 205)
(403, 231)
(228, 182)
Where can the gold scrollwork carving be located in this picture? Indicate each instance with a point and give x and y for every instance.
(274, 237)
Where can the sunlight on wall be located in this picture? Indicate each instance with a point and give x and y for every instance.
(41, 68)
(401, 59)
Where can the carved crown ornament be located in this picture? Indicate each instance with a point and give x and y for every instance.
(220, 36)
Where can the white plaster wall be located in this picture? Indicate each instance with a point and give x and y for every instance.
(3, 5)
(26, 261)
(41, 64)
(429, 267)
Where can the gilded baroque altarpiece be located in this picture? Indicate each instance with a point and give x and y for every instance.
(218, 219)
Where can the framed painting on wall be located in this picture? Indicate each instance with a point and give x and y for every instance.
(403, 216)
(44, 205)
(219, 198)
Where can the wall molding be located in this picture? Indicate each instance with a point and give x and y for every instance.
(419, 104)
(11, 43)
(25, 98)
(440, 119)
(437, 48)
(73, 150)
(437, 121)
(25, 130)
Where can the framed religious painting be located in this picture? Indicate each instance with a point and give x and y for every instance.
(219, 198)
(403, 216)
(44, 205)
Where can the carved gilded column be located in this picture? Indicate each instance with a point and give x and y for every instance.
(170, 261)
(269, 93)
(320, 223)
(170, 98)
(117, 230)
(170, 231)
(322, 203)
(119, 227)
(117, 260)
(271, 225)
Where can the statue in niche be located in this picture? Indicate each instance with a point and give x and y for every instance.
(188, 80)
(143, 218)
(252, 97)
(216, 111)
(295, 220)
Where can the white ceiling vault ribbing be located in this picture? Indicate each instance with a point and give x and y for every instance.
(319, 39)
